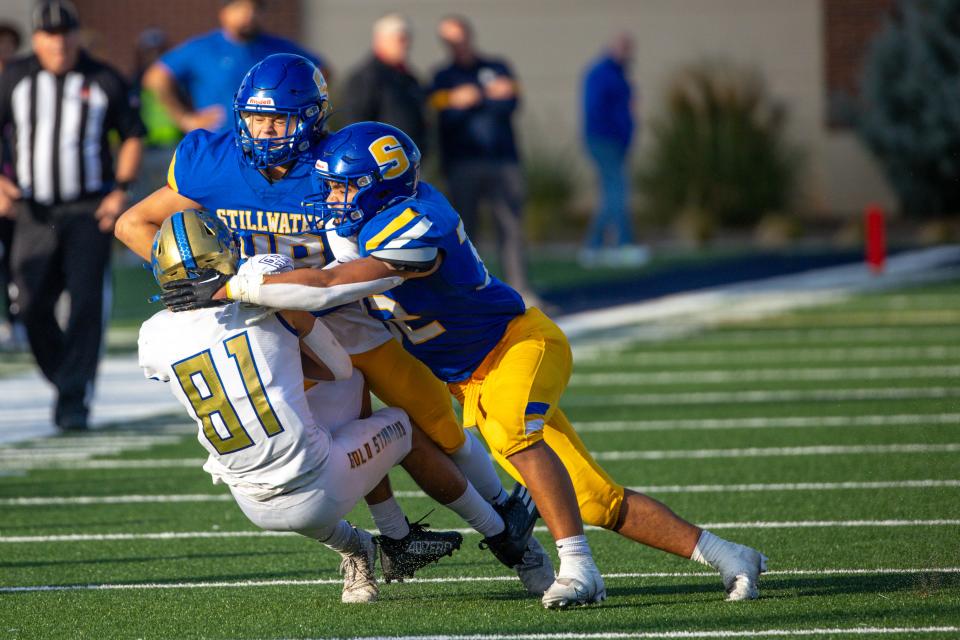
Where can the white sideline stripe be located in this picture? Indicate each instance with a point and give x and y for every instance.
(456, 579)
(765, 356)
(759, 452)
(906, 419)
(721, 376)
(679, 488)
(758, 395)
(189, 535)
(800, 335)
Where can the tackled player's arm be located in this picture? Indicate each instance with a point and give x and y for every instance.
(317, 289)
(324, 357)
(137, 226)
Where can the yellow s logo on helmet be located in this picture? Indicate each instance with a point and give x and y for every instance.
(389, 154)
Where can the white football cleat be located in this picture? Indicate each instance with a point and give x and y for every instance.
(359, 578)
(570, 591)
(536, 570)
(741, 574)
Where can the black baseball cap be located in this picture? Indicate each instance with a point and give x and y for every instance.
(55, 16)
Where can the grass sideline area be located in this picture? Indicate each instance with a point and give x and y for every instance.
(827, 437)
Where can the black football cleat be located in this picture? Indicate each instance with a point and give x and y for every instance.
(400, 559)
(519, 514)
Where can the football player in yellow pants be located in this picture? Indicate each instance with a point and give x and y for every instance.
(508, 365)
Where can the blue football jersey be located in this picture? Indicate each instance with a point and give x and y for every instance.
(267, 216)
(451, 319)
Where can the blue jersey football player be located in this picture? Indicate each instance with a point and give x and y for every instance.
(506, 364)
(253, 179)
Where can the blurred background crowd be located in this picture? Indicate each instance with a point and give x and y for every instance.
(612, 128)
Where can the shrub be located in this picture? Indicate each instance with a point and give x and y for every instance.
(719, 149)
(551, 187)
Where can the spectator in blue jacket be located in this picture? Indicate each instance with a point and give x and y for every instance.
(196, 80)
(608, 127)
(475, 97)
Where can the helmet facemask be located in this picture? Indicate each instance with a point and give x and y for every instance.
(296, 134)
(340, 199)
(283, 86)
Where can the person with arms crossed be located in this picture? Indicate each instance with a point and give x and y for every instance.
(292, 463)
(475, 97)
(507, 365)
(253, 180)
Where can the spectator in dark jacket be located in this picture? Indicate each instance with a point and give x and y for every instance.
(475, 97)
(384, 88)
(608, 129)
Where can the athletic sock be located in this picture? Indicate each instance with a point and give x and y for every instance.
(472, 459)
(344, 539)
(712, 550)
(389, 518)
(574, 555)
(478, 512)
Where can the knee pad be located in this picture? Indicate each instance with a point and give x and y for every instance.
(601, 508)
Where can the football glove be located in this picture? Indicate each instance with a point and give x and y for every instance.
(188, 294)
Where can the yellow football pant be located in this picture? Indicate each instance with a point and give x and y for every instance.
(400, 380)
(513, 396)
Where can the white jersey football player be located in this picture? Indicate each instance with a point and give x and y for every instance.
(288, 468)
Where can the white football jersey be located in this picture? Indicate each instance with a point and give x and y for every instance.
(243, 384)
(353, 327)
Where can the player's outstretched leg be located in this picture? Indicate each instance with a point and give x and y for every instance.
(739, 566)
(652, 523)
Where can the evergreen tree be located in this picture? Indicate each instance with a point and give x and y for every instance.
(911, 92)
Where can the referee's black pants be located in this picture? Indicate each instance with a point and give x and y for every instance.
(55, 249)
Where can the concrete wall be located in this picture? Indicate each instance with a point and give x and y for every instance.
(550, 41)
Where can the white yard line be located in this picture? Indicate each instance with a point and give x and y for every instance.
(55, 462)
(679, 488)
(780, 422)
(670, 635)
(757, 395)
(130, 499)
(190, 535)
(726, 376)
(761, 452)
(753, 356)
(148, 463)
(464, 579)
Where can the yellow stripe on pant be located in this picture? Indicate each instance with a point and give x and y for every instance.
(512, 398)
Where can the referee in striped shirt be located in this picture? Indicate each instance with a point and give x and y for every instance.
(62, 105)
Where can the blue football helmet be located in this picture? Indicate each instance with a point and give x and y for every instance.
(285, 84)
(380, 161)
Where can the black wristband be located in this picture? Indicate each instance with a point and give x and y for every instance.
(123, 185)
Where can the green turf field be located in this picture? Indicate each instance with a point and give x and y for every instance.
(828, 437)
